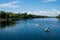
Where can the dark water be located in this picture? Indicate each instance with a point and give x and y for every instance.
(27, 29)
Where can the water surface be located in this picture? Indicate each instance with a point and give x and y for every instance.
(27, 29)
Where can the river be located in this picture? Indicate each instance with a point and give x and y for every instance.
(27, 29)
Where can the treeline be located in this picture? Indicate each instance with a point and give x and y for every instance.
(58, 16)
(11, 15)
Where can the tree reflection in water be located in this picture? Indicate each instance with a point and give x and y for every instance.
(4, 24)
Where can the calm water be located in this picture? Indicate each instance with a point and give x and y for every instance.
(27, 29)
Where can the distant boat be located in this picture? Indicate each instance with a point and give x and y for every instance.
(47, 29)
(37, 25)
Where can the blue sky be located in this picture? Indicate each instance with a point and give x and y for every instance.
(38, 7)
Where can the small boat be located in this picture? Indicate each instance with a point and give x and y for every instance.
(47, 29)
(37, 25)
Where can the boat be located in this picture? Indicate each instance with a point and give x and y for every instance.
(47, 29)
(37, 25)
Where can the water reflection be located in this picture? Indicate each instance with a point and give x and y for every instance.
(31, 29)
(4, 24)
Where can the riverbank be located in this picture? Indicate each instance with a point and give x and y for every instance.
(10, 16)
(3, 20)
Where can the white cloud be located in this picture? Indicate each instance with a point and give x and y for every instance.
(46, 13)
(10, 4)
(54, 9)
(48, 0)
(14, 2)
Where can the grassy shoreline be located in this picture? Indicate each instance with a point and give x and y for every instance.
(9, 16)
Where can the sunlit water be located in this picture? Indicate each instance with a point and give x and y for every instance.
(27, 30)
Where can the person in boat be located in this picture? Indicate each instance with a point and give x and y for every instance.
(47, 29)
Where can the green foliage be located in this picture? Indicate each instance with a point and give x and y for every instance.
(2, 14)
(58, 16)
(15, 16)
